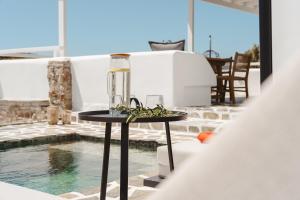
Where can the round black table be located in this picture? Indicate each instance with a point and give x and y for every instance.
(104, 116)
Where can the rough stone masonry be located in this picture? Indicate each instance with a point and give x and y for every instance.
(60, 83)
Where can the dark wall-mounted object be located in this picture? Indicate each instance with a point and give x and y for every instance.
(265, 26)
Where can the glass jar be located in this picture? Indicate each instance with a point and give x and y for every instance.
(118, 83)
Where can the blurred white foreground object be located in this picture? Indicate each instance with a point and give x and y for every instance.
(256, 157)
(181, 152)
(13, 192)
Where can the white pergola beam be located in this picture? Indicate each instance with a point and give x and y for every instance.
(191, 26)
(62, 27)
(52, 49)
(244, 5)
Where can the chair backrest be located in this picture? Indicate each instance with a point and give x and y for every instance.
(241, 65)
(228, 65)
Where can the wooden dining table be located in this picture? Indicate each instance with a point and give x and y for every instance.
(218, 66)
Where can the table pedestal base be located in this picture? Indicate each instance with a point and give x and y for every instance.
(124, 159)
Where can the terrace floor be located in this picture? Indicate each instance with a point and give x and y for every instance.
(136, 190)
(141, 136)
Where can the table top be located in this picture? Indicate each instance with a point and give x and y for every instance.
(104, 116)
(217, 64)
(220, 59)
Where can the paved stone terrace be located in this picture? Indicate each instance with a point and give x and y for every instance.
(136, 191)
(141, 135)
(41, 133)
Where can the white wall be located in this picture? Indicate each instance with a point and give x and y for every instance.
(89, 81)
(24, 79)
(254, 82)
(286, 31)
(152, 73)
(184, 79)
(194, 78)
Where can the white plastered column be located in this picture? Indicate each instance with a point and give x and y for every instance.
(62, 27)
(191, 27)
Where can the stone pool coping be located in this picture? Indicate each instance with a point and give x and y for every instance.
(141, 136)
(146, 136)
(13, 136)
(136, 190)
(14, 192)
(41, 133)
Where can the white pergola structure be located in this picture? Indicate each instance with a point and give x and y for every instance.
(62, 27)
(61, 50)
(57, 50)
(244, 5)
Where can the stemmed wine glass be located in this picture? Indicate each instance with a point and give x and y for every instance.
(115, 101)
(153, 100)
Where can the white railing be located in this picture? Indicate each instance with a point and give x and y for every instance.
(54, 49)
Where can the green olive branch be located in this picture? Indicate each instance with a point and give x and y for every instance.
(142, 112)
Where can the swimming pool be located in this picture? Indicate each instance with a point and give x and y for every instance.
(67, 167)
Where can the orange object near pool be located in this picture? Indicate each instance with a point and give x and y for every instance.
(204, 136)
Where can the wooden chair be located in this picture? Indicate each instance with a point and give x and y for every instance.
(221, 67)
(240, 72)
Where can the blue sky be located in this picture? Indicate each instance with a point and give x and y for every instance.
(107, 26)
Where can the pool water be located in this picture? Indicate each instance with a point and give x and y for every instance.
(67, 167)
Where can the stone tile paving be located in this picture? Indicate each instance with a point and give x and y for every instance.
(200, 119)
(39, 133)
(136, 191)
(141, 135)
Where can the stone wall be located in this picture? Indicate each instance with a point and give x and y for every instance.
(60, 84)
(15, 112)
(60, 94)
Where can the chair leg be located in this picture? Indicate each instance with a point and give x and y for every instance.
(219, 90)
(230, 92)
(217, 97)
(231, 88)
(225, 84)
(246, 87)
(223, 94)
